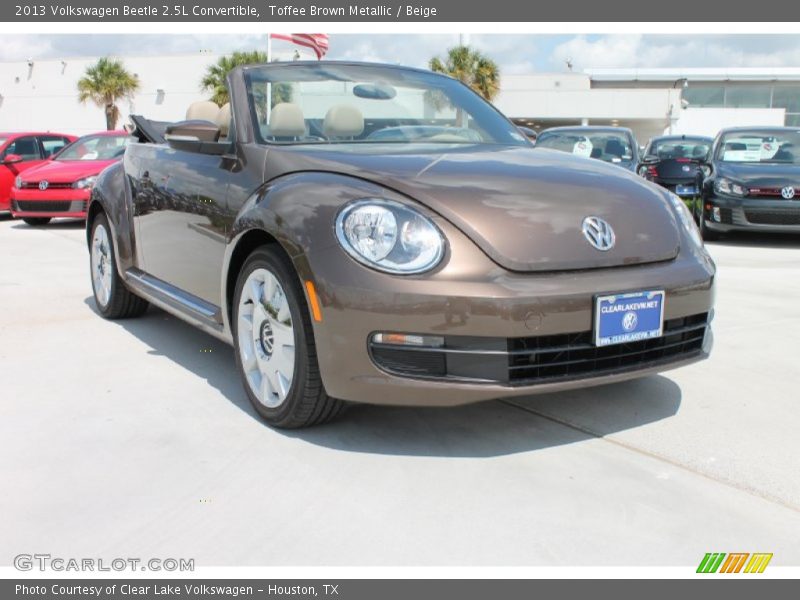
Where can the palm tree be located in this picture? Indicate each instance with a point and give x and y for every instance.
(471, 67)
(106, 82)
(215, 81)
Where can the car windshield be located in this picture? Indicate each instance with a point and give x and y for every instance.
(95, 147)
(607, 146)
(684, 148)
(332, 103)
(766, 147)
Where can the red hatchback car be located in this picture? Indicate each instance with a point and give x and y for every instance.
(23, 150)
(61, 186)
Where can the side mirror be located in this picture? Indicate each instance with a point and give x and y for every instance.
(11, 159)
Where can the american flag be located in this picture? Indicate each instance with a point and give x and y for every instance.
(318, 42)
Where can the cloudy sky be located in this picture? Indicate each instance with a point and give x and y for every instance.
(515, 54)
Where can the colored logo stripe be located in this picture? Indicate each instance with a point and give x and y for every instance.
(711, 562)
(758, 562)
(734, 562)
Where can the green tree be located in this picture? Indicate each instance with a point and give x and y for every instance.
(104, 83)
(471, 67)
(215, 80)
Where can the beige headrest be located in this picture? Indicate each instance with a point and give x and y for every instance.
(223, 119)
(286, 120)
(343, 120)
(203, 110)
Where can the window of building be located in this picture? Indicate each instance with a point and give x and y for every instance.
(705, 96)
(787, 97)
(747, 96)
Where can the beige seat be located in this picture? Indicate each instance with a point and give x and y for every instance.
(286, 120)
(223, 120)
(203, 110)
(343, 120)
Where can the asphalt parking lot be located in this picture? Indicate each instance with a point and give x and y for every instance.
(134, 438)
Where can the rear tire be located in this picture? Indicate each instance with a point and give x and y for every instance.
(112, 298)
(275, 350)
(36, 221)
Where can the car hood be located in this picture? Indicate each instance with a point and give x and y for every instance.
(523, 207)
(67, 171)
(759, 175)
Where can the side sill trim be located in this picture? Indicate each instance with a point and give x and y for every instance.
(174, 296)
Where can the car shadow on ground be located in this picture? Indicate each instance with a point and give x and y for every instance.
(486, 429)
(56, 225)
(745, 239)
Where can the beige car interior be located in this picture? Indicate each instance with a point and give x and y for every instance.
(286, 120)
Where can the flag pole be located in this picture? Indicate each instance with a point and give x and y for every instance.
(269, 85)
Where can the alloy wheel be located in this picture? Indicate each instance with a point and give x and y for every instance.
(266, 338)
(101, 265)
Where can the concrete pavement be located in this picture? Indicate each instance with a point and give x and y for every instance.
(134, 438)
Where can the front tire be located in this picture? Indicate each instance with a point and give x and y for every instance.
(709, 235)
(36, 221)
(275, 350)
(112, 298)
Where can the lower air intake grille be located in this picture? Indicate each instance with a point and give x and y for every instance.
(532, 360)
(774, 217)
(44, 206)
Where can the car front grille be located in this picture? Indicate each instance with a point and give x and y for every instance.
(44, 205)
(34, 185)
(765, 192)
(532, 360)
(774, 217)
(573, 355)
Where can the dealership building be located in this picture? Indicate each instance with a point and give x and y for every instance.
(41, 95)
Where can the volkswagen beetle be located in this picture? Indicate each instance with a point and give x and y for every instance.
(442, 262)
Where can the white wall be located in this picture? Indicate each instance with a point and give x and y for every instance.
(44, 96)
(569, 96)
(708, 121)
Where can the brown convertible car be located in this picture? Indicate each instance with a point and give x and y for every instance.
(382, 234)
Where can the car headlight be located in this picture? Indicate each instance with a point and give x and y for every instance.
(389, 236)
(18, 182)
(728, 187)
(686, 219)
(86, 182)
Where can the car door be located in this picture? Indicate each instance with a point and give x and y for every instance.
(28, 148)
(181, 218)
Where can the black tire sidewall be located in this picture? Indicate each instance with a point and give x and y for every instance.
(271, 260)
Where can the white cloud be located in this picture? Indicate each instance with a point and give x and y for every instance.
(676, 51)
(21, 47)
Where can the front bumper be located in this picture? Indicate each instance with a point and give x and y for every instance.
(752, 214)
(58, 202)
(477, 305)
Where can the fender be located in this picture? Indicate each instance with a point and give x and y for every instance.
(298, 211)
(111, 194)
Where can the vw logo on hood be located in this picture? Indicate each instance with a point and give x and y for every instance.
(598, 233)
(43, 185)
(788, 192)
